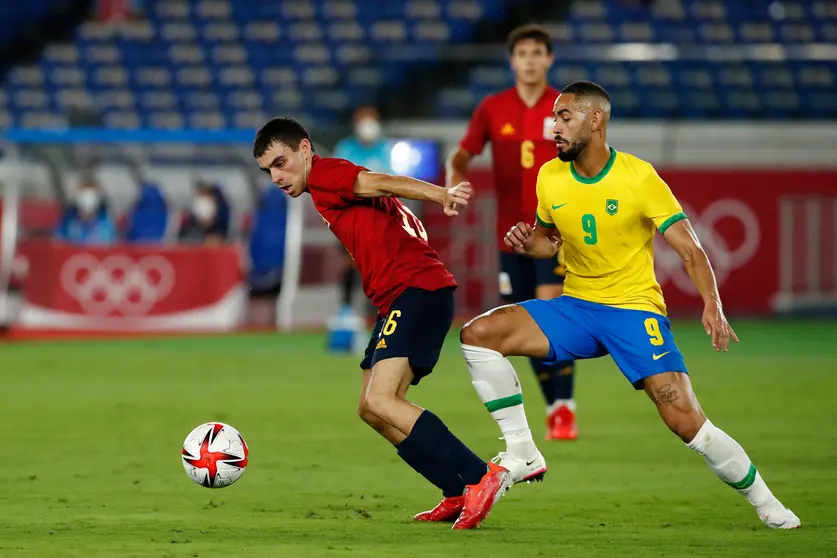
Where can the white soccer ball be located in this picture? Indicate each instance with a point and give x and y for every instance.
(214, 455)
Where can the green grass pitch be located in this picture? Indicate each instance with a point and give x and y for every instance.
(91, 435)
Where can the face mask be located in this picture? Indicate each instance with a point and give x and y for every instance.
(203, 208)
(368, 129)
(87, 200)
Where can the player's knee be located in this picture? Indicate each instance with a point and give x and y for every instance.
(380, 405)
(481, 332)
(366, 415)
(684, 424)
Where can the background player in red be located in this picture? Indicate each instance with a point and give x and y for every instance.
(518, 123)
(413, 291)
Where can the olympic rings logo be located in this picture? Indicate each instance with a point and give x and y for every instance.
(117, 283)
(724, 259)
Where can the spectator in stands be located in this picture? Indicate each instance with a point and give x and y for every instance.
(368, 148)
(87, 220)
(267, 243)
(209, 218)
(148, 218)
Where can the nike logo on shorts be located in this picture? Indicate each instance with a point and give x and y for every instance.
(658, 357)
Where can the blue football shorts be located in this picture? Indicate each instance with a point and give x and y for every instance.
(640, 342)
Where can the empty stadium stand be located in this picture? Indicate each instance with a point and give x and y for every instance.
(226, 64)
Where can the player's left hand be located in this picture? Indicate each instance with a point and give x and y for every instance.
(456, 196)
(716, 325)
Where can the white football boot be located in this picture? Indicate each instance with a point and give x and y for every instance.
(776, 516)
(522, 469)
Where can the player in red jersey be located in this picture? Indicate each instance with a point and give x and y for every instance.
(413, 291)
(518, 123)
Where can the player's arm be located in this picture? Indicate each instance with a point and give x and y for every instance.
(681, 236)
(541, 240)
(471, 145)
(457, 165)
(536, 242)
(375, 184)
(667, 215)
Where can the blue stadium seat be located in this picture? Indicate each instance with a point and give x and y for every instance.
(249, 56)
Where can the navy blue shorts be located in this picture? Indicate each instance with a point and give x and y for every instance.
(521, 275)
(640, 342)
(416, 327)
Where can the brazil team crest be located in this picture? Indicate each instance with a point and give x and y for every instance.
(612, 207)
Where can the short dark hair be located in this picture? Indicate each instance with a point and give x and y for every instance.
(283, 130)
(530, 31)
(587, 89)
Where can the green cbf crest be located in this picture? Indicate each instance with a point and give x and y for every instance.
(612, 207)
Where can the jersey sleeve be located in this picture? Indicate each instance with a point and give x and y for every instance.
(478, 133)
(660, 205)
(332, 182)
(542, 215)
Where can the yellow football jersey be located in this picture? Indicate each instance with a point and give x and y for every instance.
(608, 223)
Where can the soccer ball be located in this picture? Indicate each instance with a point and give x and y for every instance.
(214, 455)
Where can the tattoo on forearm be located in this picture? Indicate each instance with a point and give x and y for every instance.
(665, 395)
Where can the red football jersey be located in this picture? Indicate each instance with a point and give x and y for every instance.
(521, 142)
(388, 243)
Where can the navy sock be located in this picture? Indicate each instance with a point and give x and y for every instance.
(441, 457)
(442, 477)
(564, 379)
(556, 380)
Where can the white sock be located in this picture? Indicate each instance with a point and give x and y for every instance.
(560, 403)
(727, 459)
(496, 382)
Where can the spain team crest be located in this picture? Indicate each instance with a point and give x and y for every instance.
(612, 206)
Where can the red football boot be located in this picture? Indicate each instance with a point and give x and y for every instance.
(445, 511)
(561, 424)
(481, 497)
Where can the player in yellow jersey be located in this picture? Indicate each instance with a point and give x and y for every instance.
(604, 208)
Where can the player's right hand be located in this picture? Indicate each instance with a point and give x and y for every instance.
(520, 238)
(456, 196)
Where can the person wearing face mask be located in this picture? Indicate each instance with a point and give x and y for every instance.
(368, 148)
(208, 220)
(87, 220)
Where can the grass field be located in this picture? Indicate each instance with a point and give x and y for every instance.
(92, 434)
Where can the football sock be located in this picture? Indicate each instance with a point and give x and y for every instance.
(546, 379)
(727, 459)
(348, 285)
(556, 380)
(439, 456)
(564, 373)
(496, 383)
(412, 451)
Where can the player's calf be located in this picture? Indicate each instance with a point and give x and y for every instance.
(672, 393)
(367, 414)
(678, 406)
(386, 392)
(485, 343)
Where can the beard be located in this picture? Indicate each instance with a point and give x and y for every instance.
(572, 151)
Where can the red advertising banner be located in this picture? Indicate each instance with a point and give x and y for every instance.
(130, 288)
(749, 239)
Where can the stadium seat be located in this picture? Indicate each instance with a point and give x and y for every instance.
(245, 51)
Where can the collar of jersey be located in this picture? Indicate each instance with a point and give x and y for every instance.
(598, 177)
